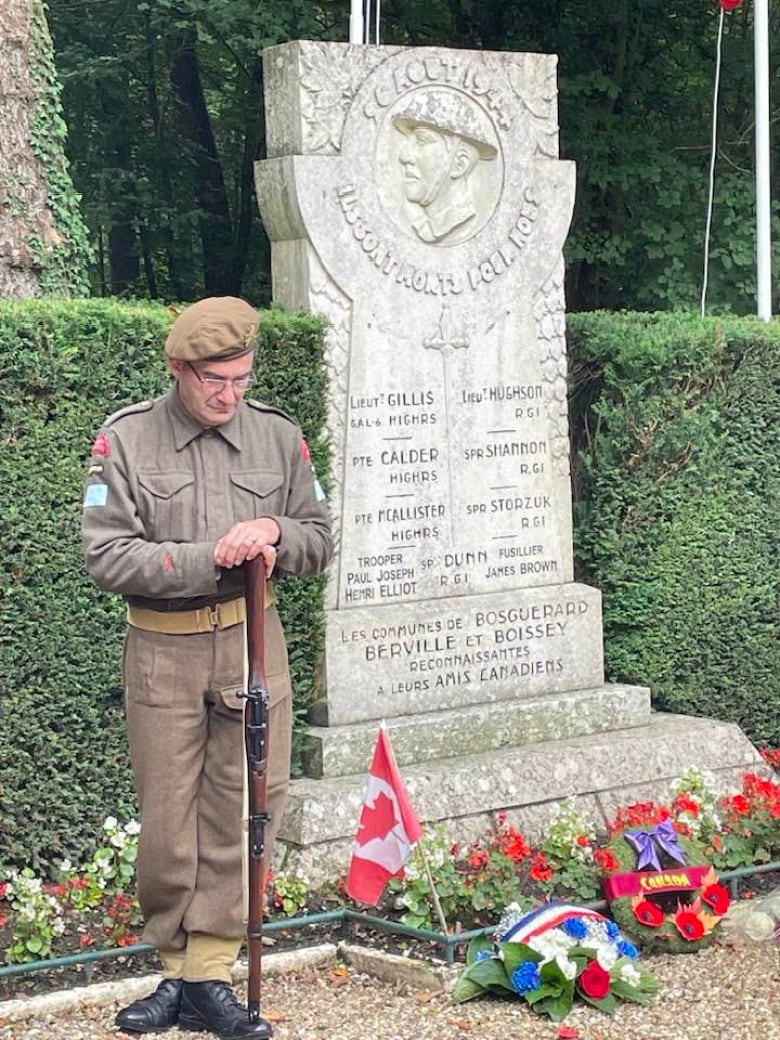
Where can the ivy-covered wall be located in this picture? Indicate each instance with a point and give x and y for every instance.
(63, 367)
(677, 506)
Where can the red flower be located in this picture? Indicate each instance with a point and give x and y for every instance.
(583, 841)
(740, 805)
(606, 859)
(684, 803)
(540, 868)
(594, 981)
(730, 5)
(86, 940)
(688, 925)
(717, 896)
(568, 1033)
(3, 891)
(649, 914)
(514, 845)
(478, 859)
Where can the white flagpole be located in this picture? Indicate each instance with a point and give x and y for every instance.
(356, 21)
(763, 190)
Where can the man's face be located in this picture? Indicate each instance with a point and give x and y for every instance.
(212, 403)
(425, 157)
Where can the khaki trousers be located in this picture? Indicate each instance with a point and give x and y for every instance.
(186, 734)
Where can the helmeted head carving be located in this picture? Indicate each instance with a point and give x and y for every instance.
(447, 135)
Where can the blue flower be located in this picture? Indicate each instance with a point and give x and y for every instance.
(612, 930)
(628, 949)
(575, 927)
(483, 955)
(525, 978)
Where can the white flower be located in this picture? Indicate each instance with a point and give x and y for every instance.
(630, 974)
(132, 827)
(568, 968)
(58, 926)
(118, 840)
(66, 866)
(110, 823)
(607, 956)
(552, 944)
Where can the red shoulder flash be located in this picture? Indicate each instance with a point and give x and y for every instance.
(102, 445)
(305, 451)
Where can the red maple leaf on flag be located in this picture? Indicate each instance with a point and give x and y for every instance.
(377, 820)
(388, 828)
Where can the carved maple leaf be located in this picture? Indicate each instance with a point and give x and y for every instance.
(377, 820)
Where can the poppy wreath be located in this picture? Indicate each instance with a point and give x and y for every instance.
(661, 890)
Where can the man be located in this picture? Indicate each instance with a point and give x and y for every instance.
(446, 137)
(180, 492)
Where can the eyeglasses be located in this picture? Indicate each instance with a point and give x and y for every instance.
(217, 383)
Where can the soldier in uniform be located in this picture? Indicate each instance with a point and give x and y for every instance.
(180, 492)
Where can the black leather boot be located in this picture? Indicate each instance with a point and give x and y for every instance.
(155, 1013)
(212, 1007)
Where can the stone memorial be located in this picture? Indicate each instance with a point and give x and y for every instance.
(416, 199)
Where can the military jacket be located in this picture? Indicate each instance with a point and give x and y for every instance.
(161, 490)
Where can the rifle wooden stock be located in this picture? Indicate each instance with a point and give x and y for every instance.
(256, 742)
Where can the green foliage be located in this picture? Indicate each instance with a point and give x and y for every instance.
(63, 367)
(677, 499)
(636, 86)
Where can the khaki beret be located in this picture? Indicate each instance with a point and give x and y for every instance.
(219, 328)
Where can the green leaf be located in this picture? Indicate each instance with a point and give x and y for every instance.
(466, 989)
(477, 946)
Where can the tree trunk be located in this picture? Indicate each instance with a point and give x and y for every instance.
(216, 226)
(43, 242)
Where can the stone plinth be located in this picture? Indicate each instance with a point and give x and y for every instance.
(601, 771)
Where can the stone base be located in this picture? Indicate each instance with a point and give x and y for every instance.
(346, 750)
(601, 770)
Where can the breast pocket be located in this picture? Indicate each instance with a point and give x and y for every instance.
(256, 492)
(168, 505)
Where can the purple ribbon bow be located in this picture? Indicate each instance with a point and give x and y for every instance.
(644, 842)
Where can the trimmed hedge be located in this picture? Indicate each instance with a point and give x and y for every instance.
(677, 507)
(676, 432)
(63, 367)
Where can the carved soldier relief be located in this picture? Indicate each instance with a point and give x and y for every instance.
(439, 165)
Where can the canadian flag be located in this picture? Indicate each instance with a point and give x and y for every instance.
(388, 828)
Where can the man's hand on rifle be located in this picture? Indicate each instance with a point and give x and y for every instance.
(248, 540)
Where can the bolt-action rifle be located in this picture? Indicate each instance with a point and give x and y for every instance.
(256, 739)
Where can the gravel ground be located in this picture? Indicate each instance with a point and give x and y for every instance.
(724, 993)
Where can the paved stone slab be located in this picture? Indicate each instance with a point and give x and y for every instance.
(322, 818)
(342, 750)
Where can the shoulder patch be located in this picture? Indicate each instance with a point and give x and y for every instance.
(131, 409)
(260, 407)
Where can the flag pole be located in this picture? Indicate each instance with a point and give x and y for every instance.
(434, 894)
(763, 202)
(356, 22)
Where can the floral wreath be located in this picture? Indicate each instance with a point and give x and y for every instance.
(661, 890)
(552, 956)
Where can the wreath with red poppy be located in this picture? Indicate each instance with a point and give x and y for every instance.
(676, 909)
